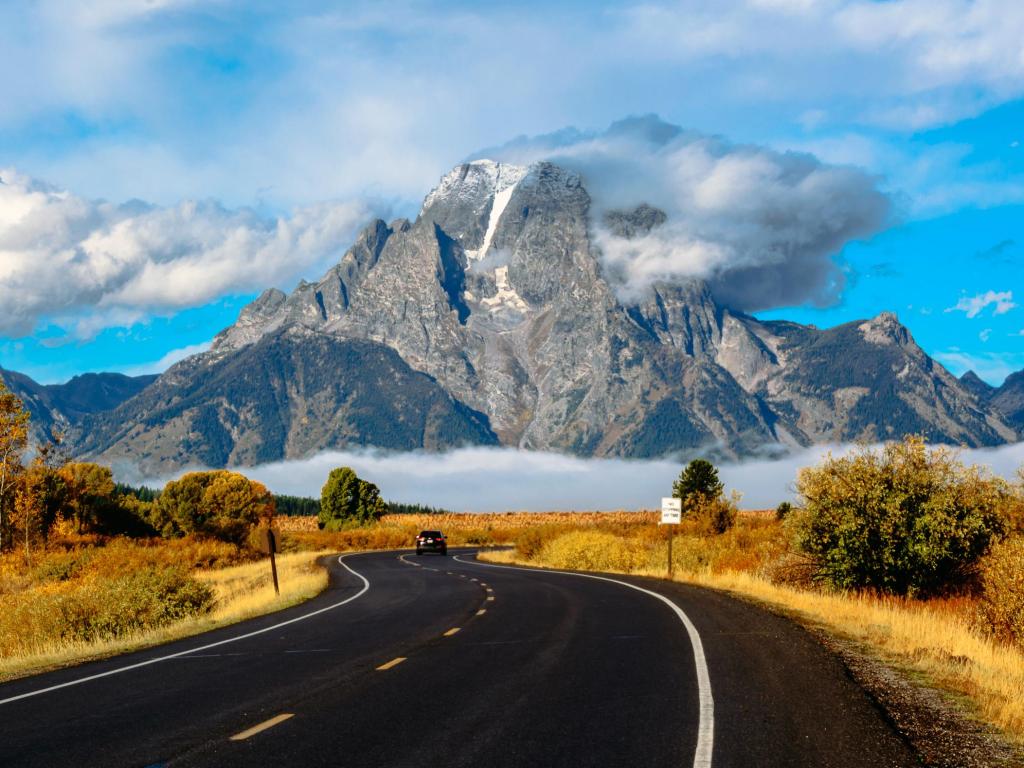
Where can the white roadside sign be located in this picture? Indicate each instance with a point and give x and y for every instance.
(671, 511)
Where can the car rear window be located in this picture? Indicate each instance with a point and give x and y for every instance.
(430, 533)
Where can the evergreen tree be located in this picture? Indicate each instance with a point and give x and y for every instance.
(699, 478)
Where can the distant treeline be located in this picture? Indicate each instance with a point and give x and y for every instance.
(296, 505)
(289, 505)
(140, 492)
(397, 508)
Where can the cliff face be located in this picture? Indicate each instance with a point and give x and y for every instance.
(497, 295)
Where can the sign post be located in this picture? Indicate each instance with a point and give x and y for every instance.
(268, 543)
(671, 514)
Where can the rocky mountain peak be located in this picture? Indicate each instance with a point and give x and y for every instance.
(636, 222)
(885, 329)
(497, 296)
(973, 383)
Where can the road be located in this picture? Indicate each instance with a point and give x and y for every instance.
(421, 661)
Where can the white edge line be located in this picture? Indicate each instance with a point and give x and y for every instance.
(706, 726)
(108, 673)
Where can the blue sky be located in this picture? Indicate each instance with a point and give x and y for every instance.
(164, 160)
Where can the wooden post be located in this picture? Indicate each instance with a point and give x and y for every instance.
(272, 541)
(669, 552)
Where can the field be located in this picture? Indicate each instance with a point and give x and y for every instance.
(98, 597)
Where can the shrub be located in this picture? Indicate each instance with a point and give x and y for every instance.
(1001, 603)
(907, 519)
(713, 515)
(782, 511)
(595, 551)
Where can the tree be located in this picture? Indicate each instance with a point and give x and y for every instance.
(346, 499)
(90, 492)
(219, 504)
(699, 478)
(906, 519)
(14, 420)
(41, 492)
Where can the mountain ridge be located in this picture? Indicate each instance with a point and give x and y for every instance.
(498, 294)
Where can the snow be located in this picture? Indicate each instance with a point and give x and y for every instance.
(500, 204)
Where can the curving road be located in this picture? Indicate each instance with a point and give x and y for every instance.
(420, 661)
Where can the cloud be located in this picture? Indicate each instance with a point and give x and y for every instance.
(497, 480)
(993, 367)
(972, 306)
(88, 264)
(166, 361)
(908, 64)
(763, 227)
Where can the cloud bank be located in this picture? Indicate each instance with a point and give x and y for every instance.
(498, 480)
(88, 264)
(763, 227)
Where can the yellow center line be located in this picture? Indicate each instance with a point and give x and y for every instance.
(393, 663)
(490, 597)
(481, 612)
(489, 589)
(261, 727)
(451, 631)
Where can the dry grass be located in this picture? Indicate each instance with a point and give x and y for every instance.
(938, 638)
(39, 606)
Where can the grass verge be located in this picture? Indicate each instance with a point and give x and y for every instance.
(239, 592)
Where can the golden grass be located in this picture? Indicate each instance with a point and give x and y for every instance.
(240, 591)
(934, 638)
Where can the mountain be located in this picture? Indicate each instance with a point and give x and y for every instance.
(980, 388)
(1006, 400)
(289, 393)
(61, 406)
(1009, 400)
(491, 318)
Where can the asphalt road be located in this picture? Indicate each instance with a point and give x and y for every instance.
(499, 667)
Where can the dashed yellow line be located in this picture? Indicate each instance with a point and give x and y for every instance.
(490, 597)
(451, 631)
(393, 663)
(261, 727)
(481, 612)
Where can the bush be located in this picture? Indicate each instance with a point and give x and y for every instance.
(1001, 603)
(595, 551)
(907, 519)
(102, 608)
(713, 515)
(782, 511)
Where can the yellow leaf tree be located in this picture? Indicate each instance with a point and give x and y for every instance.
(13, 439)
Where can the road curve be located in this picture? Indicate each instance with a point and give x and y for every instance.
(412, 661)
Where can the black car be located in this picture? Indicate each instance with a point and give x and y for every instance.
(431, 541)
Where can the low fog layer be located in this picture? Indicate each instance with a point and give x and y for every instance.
(502, 479)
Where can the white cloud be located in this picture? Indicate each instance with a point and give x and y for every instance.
(90, 264)
(993, 367)
(165, 362)
(985, 334)
(973, 306)
(762, 226)
(910, 64)
(496, 480)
